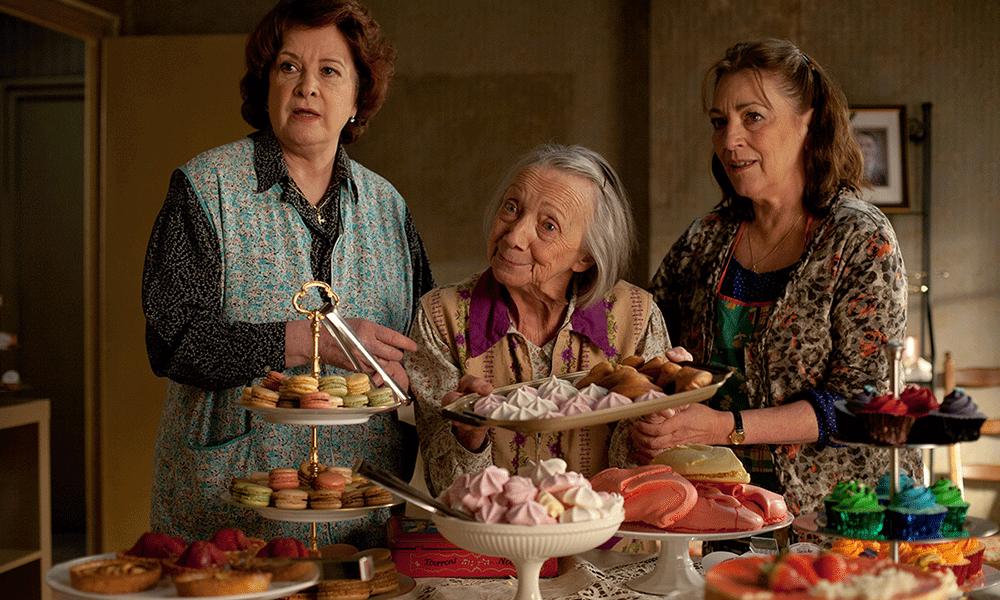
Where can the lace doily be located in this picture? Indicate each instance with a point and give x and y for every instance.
(589, 576)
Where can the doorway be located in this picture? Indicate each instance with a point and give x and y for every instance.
(42, 249)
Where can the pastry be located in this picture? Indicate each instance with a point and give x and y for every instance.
(273, 380)
(717, 511)
(913, 513)
(335, 385)
(802, 576)
(236, 544)
(352, 498)
(358, 383)
(198, 557)
(770, 506)
(689, 378)
(355, 400)
(882, 486)
(260, 396)
(250, 494)
(886, 419)
(382, 396)
(957, 419)
(324, 499)
(385, 578)
(316, 400)
(221, 583)
(831, 500)
(156, 545)
(330, 480)
(699, 462)
(115, 576)
(298, 385)
(653, 494)
(596, 373)
(668, 372)
(949, 496)
(651, 368)
(859, 513)
(342, 589)
(377, 496)
(283, 478)
(635, 361)
(291, 499)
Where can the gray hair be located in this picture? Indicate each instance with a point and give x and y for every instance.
(610, 238)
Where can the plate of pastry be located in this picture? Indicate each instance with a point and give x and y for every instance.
(104, 576)
(604, 394)
(328, 400)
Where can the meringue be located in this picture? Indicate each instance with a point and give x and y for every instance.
(519, 489)
(528, 513)
(488, 482)
(578, 514)
(650, 395)
(491, 512)
(536, 472)
(487, 404)
(594, 392)
(553, 386)
(522, 393)
(576, 406)
(612, 400)
(560, 482)
(583, 497)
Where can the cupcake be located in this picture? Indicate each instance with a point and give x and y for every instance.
(839, 492)
(957, 419)
(972, 550)
(886, 419)
(882, 487)
(919, 400)
(914, 514)
(949, 496)
(859, 513)
(849, 425)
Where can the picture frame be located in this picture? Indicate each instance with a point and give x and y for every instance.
(881, 133)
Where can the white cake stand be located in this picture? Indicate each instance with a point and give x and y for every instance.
(526, 546)
(674, 575)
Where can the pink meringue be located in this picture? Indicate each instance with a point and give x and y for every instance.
(528, 513)
(519, 489)
(612, 400)
(650, 395)
(491, 512)
(489, 481)
(487, 404)
(576, 406)
(458, 488)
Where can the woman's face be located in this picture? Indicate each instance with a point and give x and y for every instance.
(759, 136)
(537, 235)
(312, 89)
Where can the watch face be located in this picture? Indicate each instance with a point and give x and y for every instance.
(737, 437)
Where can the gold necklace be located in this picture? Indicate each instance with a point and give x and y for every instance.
(754, 263)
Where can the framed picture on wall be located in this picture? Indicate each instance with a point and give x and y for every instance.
(881, 131)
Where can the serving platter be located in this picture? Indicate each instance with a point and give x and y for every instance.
(321, 416)
(461, 409)
(815, 522)
(59, 580)
(311, 515)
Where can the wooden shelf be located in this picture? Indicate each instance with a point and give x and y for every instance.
(12, 558)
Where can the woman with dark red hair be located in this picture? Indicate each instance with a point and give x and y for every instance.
(242, 228)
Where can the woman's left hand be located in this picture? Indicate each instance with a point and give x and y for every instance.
(689, 424)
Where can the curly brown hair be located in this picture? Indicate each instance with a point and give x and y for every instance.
(833, 159)
(374, 57)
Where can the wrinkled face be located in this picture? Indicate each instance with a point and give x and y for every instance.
(537, 235)
(759, 136)
(312, 89)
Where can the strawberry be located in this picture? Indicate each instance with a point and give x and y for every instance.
(792, 572)
(202, 555)
(831, 566)
(284, 548)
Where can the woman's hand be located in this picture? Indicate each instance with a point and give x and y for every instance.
(688, 424)
(385, 345)
(678, 354)
(470, 436)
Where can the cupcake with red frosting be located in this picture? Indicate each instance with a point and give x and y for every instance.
(887, 420)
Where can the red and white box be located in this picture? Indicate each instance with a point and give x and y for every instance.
(420, 551)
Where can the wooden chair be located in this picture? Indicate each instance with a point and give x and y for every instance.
(971, 378)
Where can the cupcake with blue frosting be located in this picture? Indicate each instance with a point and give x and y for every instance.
(914, 514)
(882, 487)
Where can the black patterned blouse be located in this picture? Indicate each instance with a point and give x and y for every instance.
(187, 337)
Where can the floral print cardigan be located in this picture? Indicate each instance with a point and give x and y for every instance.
(845, 299)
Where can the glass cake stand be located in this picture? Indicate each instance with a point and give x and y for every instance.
(674, 575)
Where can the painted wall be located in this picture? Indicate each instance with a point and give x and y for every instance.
(479, 81)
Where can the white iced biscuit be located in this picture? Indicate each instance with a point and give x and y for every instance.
(553, 506)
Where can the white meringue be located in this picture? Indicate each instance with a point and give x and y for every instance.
(583, 497)
(579, 514)
(506, 412)
(523, 392)
(593, 393)
(536, 472)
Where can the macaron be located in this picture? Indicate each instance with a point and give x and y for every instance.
(283, 479)
(342, 589)
(358, 383)
(335, 385)
(382, 396)
(250, 494)
(324, 499)
(261, 396)
(355, 401)
(377, 496)
(345, 471)
(330, 480)
(300, 384)
(352, 498)
(260, 477)
(315, 400)
(273, 380)
(292, 499)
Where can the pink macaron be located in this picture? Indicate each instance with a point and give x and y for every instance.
(283, 479)
(315, 400)
(329, 480)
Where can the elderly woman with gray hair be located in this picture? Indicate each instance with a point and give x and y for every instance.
(560, 233)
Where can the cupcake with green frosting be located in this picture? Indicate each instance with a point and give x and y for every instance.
(859, 513)
(949, 496)
(839, 492)
(914, 514)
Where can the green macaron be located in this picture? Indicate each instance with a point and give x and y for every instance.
(381, 397)
(250, 494)
(355, 401)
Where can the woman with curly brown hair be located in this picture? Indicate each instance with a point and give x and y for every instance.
(242, 228)
(792, 280)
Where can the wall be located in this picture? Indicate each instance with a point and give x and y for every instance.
(905, 52)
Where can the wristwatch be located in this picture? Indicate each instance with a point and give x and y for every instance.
(737, 435)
